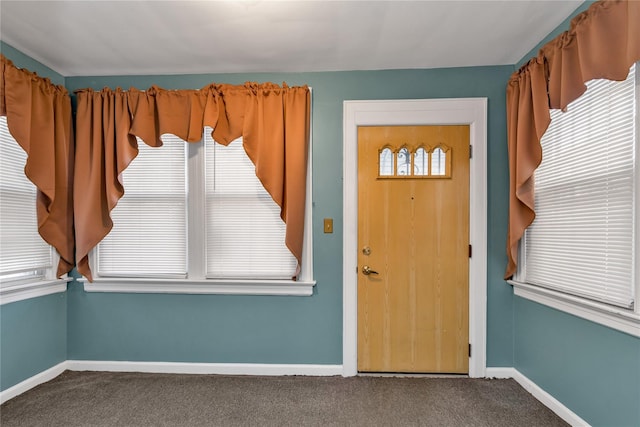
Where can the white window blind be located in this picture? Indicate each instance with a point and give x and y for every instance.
(148, 238)
(23, 253)
(237, 233)
(582, 240)
(244, 232)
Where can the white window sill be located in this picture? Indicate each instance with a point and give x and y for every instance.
(614, 317)
(210, 286)
(14, 293)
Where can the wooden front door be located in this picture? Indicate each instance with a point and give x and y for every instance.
(413, 249)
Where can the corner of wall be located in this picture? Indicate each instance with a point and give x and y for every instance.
(22, 60)
(564, 26)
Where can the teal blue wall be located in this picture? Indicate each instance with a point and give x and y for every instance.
(591, 369)
(275, 329)
(33, 333)
(33, 337)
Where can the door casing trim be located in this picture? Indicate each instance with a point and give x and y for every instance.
(415, 112)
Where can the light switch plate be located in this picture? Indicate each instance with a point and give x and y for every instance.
(328, 225)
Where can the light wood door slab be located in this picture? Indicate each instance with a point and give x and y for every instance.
(413, 231)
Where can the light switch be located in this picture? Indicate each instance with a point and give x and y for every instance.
(328, 225)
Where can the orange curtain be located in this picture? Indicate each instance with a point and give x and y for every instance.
(602, 42)
(39, 118)
(273, 121)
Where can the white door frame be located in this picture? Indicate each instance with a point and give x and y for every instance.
(458, 111)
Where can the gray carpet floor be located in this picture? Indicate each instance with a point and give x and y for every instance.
(135, 399)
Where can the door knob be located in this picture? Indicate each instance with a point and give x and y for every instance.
(366, 270)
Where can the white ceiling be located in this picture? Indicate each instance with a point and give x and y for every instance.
(87, 38)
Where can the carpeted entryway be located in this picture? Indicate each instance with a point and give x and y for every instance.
(134, 399)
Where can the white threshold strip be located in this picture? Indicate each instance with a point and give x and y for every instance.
(259, 369)
(538, 392)
(205, 286)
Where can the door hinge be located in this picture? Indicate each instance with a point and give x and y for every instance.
(470, 251)
(469, 350)
(470, 151)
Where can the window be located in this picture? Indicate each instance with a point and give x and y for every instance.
(23, 253)
(420, 164)
(26, 261)
(149, 237)
(386, 162)
(245, 234)
(405, 163)
(195, 215)
(438, 162)
(582, 246)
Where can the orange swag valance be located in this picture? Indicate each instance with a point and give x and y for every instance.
(272, 120)
(39, 118)
(603, 42)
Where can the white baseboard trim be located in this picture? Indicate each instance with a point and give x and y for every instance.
(32, 382)
(545, 398)
(265, 369)
(205, 368)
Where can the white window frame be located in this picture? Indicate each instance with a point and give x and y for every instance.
(196, 282)
(23, 288)
(621, 319)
